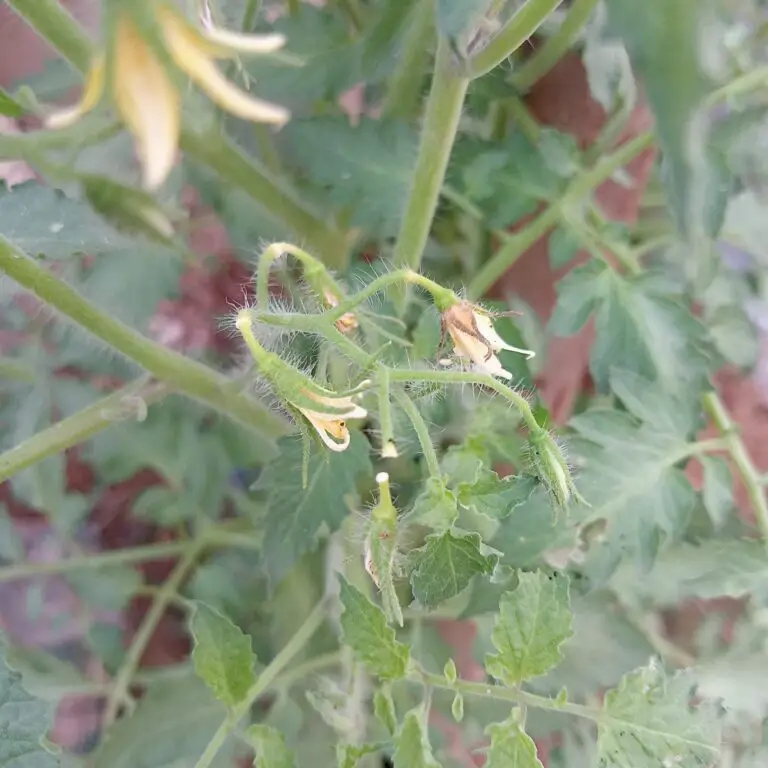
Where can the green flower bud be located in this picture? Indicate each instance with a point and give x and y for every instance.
(551, 468)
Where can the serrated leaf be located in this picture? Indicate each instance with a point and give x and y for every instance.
(511, 746)
(41, 221)
(649, 721)
(366, 631)
(663, 38)
(172, 724)
(436, 506)
(271, 749)
(496, 497)
(24, 722)
(717, 490)
(444, 566)
(533, 622)
(222, 655)
(294, 514)
(640, 326)
(366, 168)
(412, 748)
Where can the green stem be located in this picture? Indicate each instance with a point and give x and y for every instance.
(187, 376)
(555, 47)
(148, 626)
(385, 412)
(468, 377)
(422, 432)
(441, 121)
(53, 22)
(492, 691)
(266, 680)
(244, 172)
(522, 240)
(516, 31)
(404, 84)
(77, 428)
(249, 16)
(749, 473)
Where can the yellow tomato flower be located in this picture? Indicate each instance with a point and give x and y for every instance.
(331, 422)
(474, 338)
(146, 96)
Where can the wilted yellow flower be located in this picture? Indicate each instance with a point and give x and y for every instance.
(331, 422)
(146, 95)
(471, 330)
(348, 322)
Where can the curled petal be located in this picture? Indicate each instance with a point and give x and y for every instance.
(92, 90)
(334, 434)
(225, 43)
(494, 341)
(148, 102)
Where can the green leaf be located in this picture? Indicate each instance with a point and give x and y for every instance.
(631, 475)
(111, 591)
(366, 631)
(717, 491)
(270, 747)
(564, 244)
(172, 725)
(294, 514)
(640, 326)
(435, 506)
(43, 675)
(384, 708)
(649, 721)
(412, 748)
(663, 39)
(444, 566)
(24, 722)
(533, 622)
(511, 746)
(496, 497)
(365, 168)
(44, 222)
(222, 655)
(350, 755)
(454, 17)
(9, 107)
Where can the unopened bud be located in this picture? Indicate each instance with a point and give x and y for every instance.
(551, 468)
(348, 322)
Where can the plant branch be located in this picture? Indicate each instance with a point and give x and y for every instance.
(148, 626)
(714, 407)
(125, 403)
(515, 32)
(422, 432)
(266, 680)
(187, 376)
(520, 241)
(441, 121)
(555, 47)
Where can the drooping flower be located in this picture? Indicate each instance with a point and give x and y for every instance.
(330, 417)
(145, 92)
(348, 322)
(474, 337)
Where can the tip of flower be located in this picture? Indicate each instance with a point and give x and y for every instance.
(382, 477)
(243, 320)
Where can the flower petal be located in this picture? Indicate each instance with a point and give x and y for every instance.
(191, 57)
(329, 431)
(227, 43)
(147, 101)
(89, 98)
(494, 341)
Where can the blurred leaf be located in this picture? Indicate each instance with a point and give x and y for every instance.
(44, 222)
(366, 168)
(412, 748)
(735, 680)
(110, 591)
(454, 17)
(24, 722)
(640, 326)
(172, 725)
(511, 746)
(350, 755)
(222, 655)
(496, 497)
(435, 506)
(444, 566)
(532, 624)
(649, 721)
(295, 514)
(367, 633)
(664, 41)
(384, 708)
(717, 491)
(270, 747)
(43, 675)
(9, 107)
(11, 545)
(563, 245)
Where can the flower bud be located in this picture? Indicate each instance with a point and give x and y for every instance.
(551, 468)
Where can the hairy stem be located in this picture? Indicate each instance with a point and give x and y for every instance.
(422, 432)
(441, 121)
(749, 474)
(148, 626)
(187, 376)
(555, 47)
(129, 401)
(265, 681)
(515, 32)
